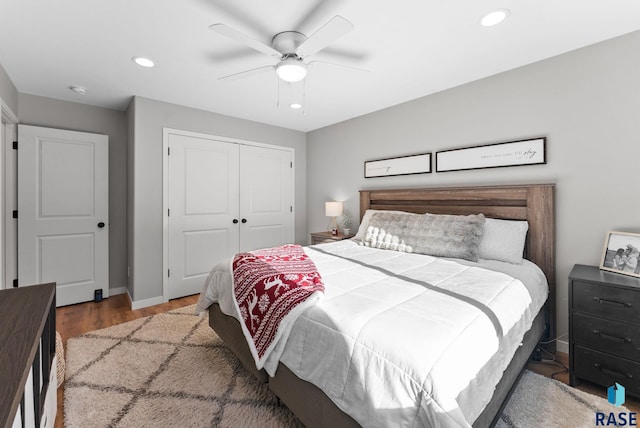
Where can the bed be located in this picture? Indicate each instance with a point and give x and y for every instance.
(533, 203)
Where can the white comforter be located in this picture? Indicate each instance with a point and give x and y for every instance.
(405, 339)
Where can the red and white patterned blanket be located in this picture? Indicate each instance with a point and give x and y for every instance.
(268, 285)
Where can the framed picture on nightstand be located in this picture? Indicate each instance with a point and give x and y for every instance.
(621, 253)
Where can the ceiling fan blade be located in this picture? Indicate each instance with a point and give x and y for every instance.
(344, 54)
(337, 65)
(240, 37)
(317, 11)
(247, 73)
(327, 34)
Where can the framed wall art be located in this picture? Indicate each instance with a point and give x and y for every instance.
(512, 153)
(621, 253)
(402, 165)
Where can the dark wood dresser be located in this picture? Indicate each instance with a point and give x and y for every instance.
(27, 350)
(604, 328)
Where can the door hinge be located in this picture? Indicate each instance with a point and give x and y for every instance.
(291, 208)
(15, 283)
(168, 273)
(168, 212)
(290, 164)
(15, 145)
(168, 151)
(15, 213)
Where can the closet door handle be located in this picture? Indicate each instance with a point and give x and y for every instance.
(244, 220)
(101, 225)
(235, 221)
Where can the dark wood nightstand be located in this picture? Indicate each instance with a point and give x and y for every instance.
(322, 237)
(604, 328)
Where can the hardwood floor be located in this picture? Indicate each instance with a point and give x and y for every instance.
(74, 320)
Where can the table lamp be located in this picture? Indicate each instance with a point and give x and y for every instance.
(333, 210)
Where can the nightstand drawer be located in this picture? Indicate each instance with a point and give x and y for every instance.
(609, 302)
(604, 369)
(620, 339)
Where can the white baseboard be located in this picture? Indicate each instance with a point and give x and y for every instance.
(118, 290)
(562, 346)
(139, 304)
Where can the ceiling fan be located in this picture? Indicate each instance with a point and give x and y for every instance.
(291, 48)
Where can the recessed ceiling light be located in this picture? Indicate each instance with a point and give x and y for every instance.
(495, 17)
(143, 62)
(295, 106)
(78, 89)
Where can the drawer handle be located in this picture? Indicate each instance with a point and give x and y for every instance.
(612, 302)
(611, 337)
(612, 372)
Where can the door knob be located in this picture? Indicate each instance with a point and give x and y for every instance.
(235, 221)
(101, 225)
(244, 220)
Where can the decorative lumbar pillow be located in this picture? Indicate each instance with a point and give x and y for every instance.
(446, 235)
(364, 224)
(439, 235)
(503, 240)
(387, 230)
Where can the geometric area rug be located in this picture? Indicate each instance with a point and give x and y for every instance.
(172, 370)
(166, 370)
(542, 402)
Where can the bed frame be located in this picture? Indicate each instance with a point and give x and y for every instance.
(534, 203)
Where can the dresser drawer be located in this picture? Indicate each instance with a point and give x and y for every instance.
(609, 302)
(605, 369)
(616, 338)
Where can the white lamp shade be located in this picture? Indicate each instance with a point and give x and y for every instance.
(333, 209)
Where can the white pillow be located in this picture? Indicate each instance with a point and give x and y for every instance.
(366, 218)
(503, 240)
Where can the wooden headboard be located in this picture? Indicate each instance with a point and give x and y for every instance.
(534, 203)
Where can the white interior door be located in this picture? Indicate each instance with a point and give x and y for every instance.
(266, 197)
(63, 224)
(203, 217)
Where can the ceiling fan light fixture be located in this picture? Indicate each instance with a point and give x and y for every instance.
(495, 17)
(291, 70)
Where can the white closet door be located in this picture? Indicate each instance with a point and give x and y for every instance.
(266, 197)
(203, 204)
(63, 207)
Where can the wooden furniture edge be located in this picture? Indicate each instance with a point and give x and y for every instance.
(38, 297)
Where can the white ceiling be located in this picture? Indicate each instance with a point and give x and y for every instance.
(412, 48)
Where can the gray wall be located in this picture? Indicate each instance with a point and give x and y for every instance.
(586, 102)
(52, 113)
(8, 91)
(145, 177)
